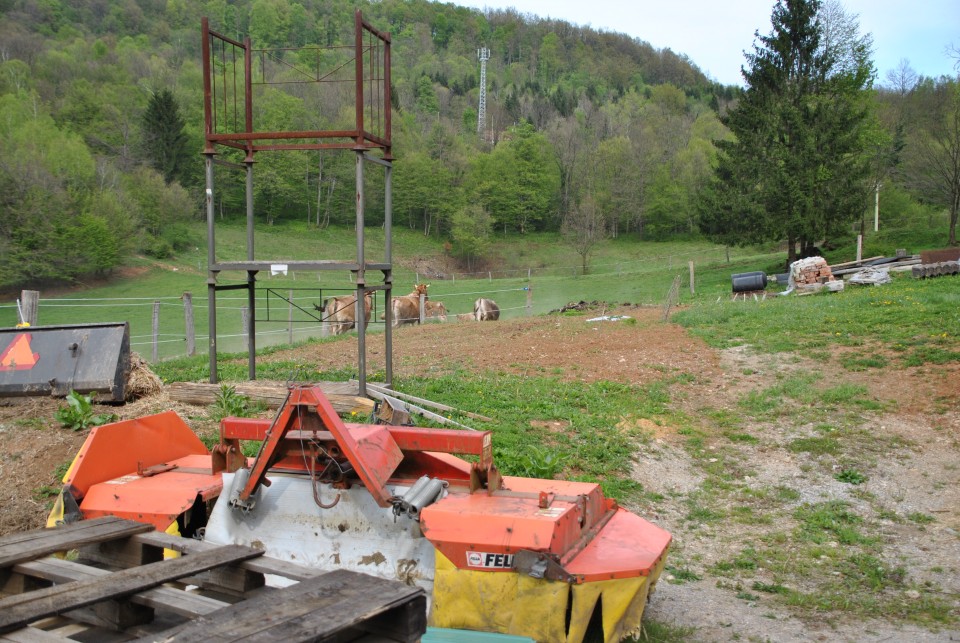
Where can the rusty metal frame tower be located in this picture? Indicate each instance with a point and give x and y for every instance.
(228, 82)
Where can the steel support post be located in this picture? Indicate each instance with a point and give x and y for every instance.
(251, 277)
(361, 282)
(211, 274)
(388, 274)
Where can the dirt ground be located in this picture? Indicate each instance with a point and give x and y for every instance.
(920, 478)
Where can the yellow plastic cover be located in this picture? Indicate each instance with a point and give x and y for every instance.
(514, 603)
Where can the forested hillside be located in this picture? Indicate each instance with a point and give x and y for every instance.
(592, 133)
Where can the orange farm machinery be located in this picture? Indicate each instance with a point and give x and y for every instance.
(546, 559)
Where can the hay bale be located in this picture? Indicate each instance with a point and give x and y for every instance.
(141, 381)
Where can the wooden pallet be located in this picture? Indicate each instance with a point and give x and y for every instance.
(209, 593)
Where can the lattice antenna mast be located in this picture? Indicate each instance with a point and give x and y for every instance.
(484, 55)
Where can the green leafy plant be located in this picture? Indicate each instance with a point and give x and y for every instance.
(229, 403)
(45, 492)
(79, 415)
(540, 463)
(851, 476)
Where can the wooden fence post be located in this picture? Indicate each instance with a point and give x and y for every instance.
(423, 304)
(190, 331)
(29, 305)
(156, 331)
(692, 291)
(859, 248)
(529, 300)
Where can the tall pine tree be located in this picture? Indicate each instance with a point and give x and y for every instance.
(796, 170)
(164, 141)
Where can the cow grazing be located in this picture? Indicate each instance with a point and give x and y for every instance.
(406, 308)
(340, 312)
(486, 310)
(435, 310)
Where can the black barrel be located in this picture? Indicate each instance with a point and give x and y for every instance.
(749, 281)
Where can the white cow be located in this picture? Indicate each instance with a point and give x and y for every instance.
(486, 310)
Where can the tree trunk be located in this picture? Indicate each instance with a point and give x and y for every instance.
(326, 213)
(954, 213)
(319, 185)
(791, 249)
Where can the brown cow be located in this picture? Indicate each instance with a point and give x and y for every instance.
(486, 310)
(435, 310)
(465, 317)
(340, 312)
(406, 308)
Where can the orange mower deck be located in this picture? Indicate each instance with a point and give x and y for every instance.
(513, 555)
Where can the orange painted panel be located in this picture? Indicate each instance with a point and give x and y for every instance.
(627, 546)
(156, 500)
(113, 450)
(461, 523)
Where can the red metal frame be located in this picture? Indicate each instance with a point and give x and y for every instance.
(371, 82)
(309, 421)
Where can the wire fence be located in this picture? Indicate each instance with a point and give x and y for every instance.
(290, 311)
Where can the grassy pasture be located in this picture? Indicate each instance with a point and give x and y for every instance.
(622, 270)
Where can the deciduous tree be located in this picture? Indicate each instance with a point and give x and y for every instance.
(584, 227)
(933, 162)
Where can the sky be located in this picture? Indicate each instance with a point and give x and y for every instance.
(715, 33)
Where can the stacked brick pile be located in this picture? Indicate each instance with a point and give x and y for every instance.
(812, 270)
(812, 274)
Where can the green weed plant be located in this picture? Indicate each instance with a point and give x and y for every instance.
(79, 415)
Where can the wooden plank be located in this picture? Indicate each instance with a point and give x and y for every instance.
(167, 598)
(886, 266)
(30, 635)
(271, 395)
(263, 564)
(117, 554)
(17, 611)
(855, 262)
(30, 536)
(20, 547)
(313, 610)
(230, 580)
